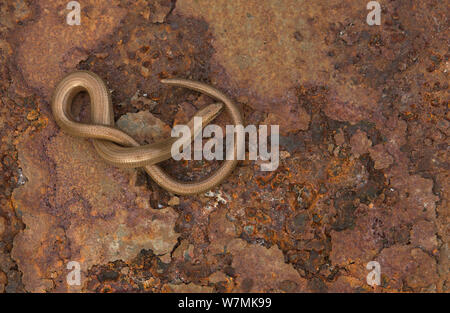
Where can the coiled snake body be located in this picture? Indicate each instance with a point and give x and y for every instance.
(119, 149)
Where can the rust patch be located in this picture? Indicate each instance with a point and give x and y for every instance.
(363, 175)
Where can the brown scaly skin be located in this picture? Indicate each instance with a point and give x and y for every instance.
(119, 149)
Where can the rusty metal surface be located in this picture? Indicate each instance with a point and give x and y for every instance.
(363, 175)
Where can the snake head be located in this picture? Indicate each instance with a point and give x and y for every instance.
(210, 112)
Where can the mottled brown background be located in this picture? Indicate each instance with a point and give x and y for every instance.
(364, 120)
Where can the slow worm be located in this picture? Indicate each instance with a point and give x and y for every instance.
(119, 149)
